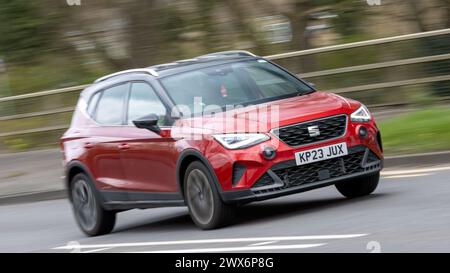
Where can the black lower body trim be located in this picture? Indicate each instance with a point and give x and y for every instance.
(247, 196)
(127, 205)
(122, 200)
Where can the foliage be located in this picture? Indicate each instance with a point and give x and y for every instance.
(25, 32)
(425, 130)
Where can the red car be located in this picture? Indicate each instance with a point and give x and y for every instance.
(212, 133)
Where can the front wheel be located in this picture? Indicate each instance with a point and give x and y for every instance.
(359, 186)
(89, 214)
(206, 208)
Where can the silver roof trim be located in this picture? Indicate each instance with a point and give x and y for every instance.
(137, 70)
(230, 52)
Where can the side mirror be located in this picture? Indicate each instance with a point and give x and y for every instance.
(149, 122)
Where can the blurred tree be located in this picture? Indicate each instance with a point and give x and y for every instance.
(148, 30)
(122, 34)
(207, 23)
(349, 15)
(147, 44)
(298, 14)
(245, 27)
(424, 16)
(24, 30)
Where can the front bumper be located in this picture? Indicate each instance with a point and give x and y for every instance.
(286, 177)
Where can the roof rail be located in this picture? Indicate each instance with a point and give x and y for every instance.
(229, 53)
(137, 70)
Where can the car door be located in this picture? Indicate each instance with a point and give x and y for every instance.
(148, 158)
(104, 145)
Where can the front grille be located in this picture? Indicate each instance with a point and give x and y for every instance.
(371, 157)
(265, 180)
(298, 134)
(358, 161)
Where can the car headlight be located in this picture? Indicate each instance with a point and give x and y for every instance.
(240, 141)
(361, 115)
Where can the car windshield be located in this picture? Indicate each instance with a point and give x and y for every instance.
(233, 84)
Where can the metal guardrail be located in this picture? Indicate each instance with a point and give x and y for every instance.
(45, 93)
(360, 44)
(328, 72)
(38, 114)
(391, 84)
(37, 130)
(366, 67)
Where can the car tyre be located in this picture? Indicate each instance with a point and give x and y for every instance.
(359, 186)
(202, 197)
(90, 216)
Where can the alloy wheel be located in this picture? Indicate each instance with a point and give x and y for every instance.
(200, 196)
(84, 204)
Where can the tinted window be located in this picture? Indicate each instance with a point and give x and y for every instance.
(239, 83)
(93, 103)
(110, 107)
(273, 83)
(144, 101)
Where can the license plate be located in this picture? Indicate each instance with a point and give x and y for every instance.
(322, 153)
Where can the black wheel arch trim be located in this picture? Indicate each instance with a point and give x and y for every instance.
(86, 171)
(202, 159)
(75, 164)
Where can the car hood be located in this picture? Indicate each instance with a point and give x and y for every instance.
(267, 116)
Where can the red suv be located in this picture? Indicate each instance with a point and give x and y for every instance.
(212, 133)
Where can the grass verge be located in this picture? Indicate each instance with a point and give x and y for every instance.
(422, 131)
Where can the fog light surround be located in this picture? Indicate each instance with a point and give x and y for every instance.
(362, 131)
(269, 152)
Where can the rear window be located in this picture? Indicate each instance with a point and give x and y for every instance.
(93, 103)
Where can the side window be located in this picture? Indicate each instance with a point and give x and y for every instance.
(93, 103)
(144, 101)
(110, 107)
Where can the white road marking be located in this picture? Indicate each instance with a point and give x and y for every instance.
(263, 243)
(96, 250)
(424, 170)
(406, 175)
(225, 240)
(238, 249)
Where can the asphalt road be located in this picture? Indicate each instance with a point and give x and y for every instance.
(409, 212)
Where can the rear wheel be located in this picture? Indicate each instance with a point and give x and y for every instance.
(89, 214)
(359, 186)
(206, 208)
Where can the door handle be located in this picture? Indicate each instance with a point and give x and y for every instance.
(88, 145)
(124, 146)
